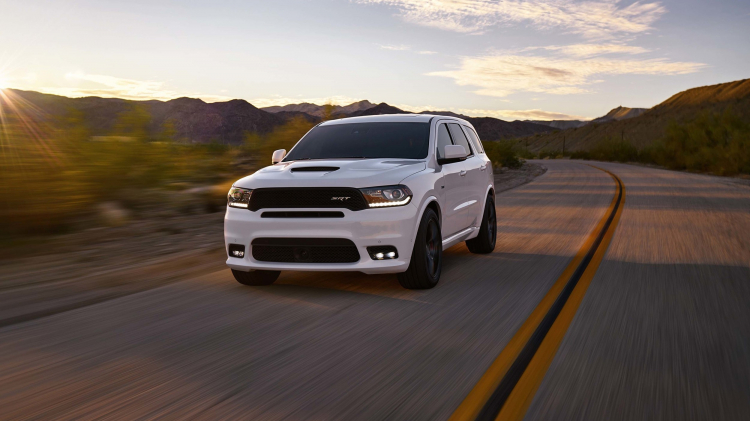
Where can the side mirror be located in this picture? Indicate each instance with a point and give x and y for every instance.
(452, 153)
(278, 155)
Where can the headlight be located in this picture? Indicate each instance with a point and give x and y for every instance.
(239, 197)
(379, 197)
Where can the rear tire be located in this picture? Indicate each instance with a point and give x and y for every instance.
(485, 242)
(426, 262)
(256, 277)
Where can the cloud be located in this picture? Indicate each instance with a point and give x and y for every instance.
(395, 47)
(426, 52)
(590, 50)
(501, 74)
(592, 19)
(114, 87)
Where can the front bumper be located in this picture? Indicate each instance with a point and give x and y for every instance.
(370, 227)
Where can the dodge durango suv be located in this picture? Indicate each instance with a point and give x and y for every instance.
(375, 194)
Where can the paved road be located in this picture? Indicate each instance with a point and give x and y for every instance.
(662, 333)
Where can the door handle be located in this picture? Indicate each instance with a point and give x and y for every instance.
(462, 173)
(483, 167)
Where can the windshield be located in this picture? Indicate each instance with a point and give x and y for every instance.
(364, 140)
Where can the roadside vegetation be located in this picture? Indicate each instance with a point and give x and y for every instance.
(714, 143)
(56, 178)
(504, 153)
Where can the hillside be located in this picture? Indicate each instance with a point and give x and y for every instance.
(619, 113)
(651, 124)
(191, 120)
(560, 124)
(379, 109)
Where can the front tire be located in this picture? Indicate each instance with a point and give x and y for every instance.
(256, 277)
(427, 257)
(485, 242)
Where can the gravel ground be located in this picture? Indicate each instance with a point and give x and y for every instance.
(507, 178)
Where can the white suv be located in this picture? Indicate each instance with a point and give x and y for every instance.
(378, 194)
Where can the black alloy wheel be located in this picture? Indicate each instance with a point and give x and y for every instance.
(484, 242)
(426, 262)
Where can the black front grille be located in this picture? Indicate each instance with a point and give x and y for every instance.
(305, 250)
(307, 197)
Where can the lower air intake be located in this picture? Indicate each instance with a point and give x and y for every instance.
(305, 250)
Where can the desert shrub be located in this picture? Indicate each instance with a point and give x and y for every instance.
(54, 176)
(612, 149)
(580, 155)
(549, 154)
(717, 143)
(503, 153)
(525, 153)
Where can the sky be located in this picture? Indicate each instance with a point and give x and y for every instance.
(511, 59)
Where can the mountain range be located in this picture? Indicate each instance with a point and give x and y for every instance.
(192, 120)
(641, 127)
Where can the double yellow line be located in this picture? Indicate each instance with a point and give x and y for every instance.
(507, 388)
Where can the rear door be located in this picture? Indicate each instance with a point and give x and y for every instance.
(472, 198)
(482, 162)
(454, 187)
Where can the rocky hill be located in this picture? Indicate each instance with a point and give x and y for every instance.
(650, 125)
(319, 110)
(619, 113)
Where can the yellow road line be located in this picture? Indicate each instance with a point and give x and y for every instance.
(520, 398)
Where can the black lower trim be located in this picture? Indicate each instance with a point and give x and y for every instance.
(305, 250)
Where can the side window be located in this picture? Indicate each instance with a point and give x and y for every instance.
(443, 139)
(474, 139)
(459, 138)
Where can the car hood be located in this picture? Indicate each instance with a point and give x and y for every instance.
(357, 173)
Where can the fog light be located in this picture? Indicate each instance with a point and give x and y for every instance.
(236, 250)
(382, 252)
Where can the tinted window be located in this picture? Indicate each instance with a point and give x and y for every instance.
(364, 140)
(459, 138)
(443, 139)
(474, 139)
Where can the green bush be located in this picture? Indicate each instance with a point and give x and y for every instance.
(611, 149)
(526, 154)
(717, 143)
(503, 153)
(580, 155)
(54, 177)
(548, 154)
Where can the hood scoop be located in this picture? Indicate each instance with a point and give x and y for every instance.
(314, 169)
